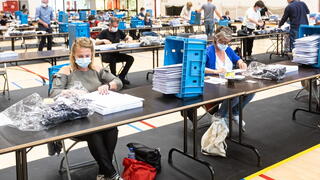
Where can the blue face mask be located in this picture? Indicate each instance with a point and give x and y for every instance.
(222, 47)
(83, 62)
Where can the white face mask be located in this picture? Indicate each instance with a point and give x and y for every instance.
(222, 47)
(83, 62)
(44, 5)
(114, 29)
(93, 21)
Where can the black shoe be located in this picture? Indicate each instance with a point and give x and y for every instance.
(124, 81)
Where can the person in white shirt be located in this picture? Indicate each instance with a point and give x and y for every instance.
(251, 21)
(186, 15)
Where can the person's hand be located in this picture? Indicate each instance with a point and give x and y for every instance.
(45, 25)
(129, 39)
(221, 70)
(243, 65)
(260, 23)
(113, 85)
(104, 89)
(70, 92)
(106, 41)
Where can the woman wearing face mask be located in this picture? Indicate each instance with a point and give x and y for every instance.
(186, 15)
(93, 78)
(251, 21)
(221, 59)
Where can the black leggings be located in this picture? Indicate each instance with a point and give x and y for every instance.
(102, 145)
(248, 44)
(113, 58)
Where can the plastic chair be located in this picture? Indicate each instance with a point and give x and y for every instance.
(3, 73)
(68, 167)
(52, 71)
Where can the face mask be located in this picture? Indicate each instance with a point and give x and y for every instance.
(83, 62)
(259, 9)
(92, 21)
(222, 47)
(44, 5)
(114, 29)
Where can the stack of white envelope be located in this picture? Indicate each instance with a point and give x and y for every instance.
(306, 50)
(167, 79)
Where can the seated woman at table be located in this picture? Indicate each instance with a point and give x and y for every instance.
(93, 78)
(221, 59)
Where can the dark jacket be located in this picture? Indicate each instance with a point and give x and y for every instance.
(297, 12)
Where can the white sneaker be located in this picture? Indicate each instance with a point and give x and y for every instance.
(100, 177)
(116, 177)
(237, 121)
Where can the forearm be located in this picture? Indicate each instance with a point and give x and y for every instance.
(211, 71)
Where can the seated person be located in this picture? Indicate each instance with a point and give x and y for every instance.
(93, 78)
(114, 35)
(3, 20)
(100, 16)
(93, 23)
(147, 20)
(221, 59)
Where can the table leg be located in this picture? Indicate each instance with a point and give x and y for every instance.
(21, 165)
(239, 142)
(184, 152)
(153, 65)
(12, 44)
(309, 110)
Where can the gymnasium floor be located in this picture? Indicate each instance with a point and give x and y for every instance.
(20, 79)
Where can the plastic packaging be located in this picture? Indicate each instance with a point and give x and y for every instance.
(151, 40)
(32, 114)
(131, 154)
(262, 71)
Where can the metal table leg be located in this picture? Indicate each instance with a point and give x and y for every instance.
(153, 64)
(21, 164)
(185, 147)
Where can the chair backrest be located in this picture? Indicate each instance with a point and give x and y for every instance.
(52, 71)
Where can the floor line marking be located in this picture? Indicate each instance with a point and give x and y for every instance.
(266, 177)
(16, 85)
(148, 124)
(42, 77)
(135, 127)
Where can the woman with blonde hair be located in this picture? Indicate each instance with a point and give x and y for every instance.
(93, 78)
(221, 59)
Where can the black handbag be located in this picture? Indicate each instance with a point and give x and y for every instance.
(146, 154)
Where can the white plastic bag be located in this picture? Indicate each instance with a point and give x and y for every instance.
(213, 140)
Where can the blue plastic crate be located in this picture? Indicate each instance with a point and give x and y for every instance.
(136, 23)
(24, 18)
(83, 15)
(122, 25)
(63, 17)
(192, 54)
(93, 12)
(52, 71)
(120, 15)
(63, 28)
(150, 12)
(195, 18)
(307, 30)
(223, 23)
(17, 14)
(77, 30)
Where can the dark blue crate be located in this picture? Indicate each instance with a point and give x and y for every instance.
(52, 71)
(192, 54)
(195, 18)
(24, 18)
(77, 30)
(83, 15)
(63, 28)
(136, 23)
(307, 30)
(122, 25)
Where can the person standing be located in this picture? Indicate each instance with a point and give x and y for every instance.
(186, 15)
(297, 12)
(44, 16)
(209, 9)
(252, 20)
(142, 13)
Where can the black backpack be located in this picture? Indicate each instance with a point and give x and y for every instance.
(148, 155)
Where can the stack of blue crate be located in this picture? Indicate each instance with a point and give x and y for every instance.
(77, 30)
(63, 27)
(136, 22)
(83, 15)
(192, 54)
(63, 17)
(24, 18)
(122, 25)
(93, 12)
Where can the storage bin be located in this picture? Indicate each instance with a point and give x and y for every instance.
(192, 54)
(307, 30)
(82, 15)
(63, 27)
(136, 23)
(195, 18)
(93, 12)
(120, 15)
(122, 25)
(52, 71)
(223, 23)
(24, 18)
(77, 30)
(63, 17)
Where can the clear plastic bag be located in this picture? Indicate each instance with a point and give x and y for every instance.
(32, 114)
(151, 40)
(262, 71)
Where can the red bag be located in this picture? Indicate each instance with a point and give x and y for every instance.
(138, 170)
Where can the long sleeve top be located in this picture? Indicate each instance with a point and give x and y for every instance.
(297, 12)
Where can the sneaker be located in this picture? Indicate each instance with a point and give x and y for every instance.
(115, 177)
(100, 177)
(237, 121)
(124, 81)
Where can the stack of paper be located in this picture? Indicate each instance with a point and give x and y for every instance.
(105, 47)
(113, 102)
(306, 50)
(167, 79)
(8, 54)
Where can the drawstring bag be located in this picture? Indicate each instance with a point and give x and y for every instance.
(138, 170)
(213, 140)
